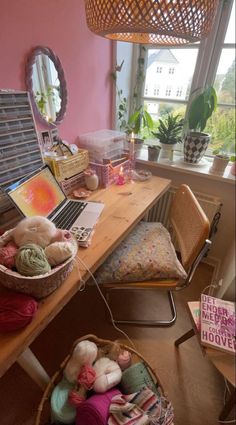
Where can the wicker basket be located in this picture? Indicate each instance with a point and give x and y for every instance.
(37, 286)
(66, 168)
(44, 410)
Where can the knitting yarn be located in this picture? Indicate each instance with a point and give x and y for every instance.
(16, 311)
(58, 252)
(137, 377)
(62, 236)
(62, 411)
(38, 230)
(32, 261)
(124, 359)
(7, 255)
(85, 352)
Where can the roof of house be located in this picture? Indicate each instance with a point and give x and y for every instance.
(163, 56)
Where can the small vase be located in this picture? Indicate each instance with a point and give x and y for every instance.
(219, 165)
(91, 181)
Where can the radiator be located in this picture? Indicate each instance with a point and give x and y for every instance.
(160, 211)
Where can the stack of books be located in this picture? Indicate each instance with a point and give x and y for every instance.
(215, 320)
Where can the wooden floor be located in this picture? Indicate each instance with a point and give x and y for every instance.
(194, 386)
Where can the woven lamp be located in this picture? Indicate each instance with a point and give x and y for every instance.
(164, 22)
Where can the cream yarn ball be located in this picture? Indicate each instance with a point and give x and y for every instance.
(37, 230)
(58, 252)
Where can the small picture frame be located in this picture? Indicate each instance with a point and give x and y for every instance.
(46, 140)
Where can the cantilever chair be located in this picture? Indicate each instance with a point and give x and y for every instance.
(142, 247)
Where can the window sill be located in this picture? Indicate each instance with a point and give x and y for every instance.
(179, 165)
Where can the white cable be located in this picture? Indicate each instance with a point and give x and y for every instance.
(231, 421)
(105, 301)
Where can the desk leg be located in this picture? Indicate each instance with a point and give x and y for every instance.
(228, 407)
(33, 368)
(184, 337)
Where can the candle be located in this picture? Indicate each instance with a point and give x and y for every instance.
(121, 178)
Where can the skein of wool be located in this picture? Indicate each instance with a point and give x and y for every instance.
(62, 411)
(7, 255)
(32, 261)
(16, 311)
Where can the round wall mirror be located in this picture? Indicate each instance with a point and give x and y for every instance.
(46, 84)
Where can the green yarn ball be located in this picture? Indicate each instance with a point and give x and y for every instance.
(31, 260)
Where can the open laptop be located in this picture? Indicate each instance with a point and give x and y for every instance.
(40, 194)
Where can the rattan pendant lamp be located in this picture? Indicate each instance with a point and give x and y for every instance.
(164, 22)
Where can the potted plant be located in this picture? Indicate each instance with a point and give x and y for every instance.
(139, 120)
(169, 133)
(202, 106)
(220, 162)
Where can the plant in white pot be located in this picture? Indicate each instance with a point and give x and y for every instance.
(169, 133)
(220, 162)
(201, 108)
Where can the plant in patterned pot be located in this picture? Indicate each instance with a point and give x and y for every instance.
(202, 106)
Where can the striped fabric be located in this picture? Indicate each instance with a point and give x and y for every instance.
(141, 408)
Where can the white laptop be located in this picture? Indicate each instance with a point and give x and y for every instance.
(40, 194)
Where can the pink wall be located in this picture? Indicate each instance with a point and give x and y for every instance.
(85, 57)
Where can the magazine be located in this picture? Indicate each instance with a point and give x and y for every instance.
(218, 323)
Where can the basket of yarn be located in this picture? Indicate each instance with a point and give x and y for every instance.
(96, 378)
(36, 257)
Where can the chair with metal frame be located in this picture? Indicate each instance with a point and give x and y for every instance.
(192, 228)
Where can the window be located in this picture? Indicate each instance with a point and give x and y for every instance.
(211, 62)
(179, 92)
(183, 60)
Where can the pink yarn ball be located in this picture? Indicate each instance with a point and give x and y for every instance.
(124, 359)
(87, 376)
(74, 398)
(7, 255)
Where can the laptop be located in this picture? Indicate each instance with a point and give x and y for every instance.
(40, 194)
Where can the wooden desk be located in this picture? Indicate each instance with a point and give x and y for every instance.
(224, 362)
(124, 207)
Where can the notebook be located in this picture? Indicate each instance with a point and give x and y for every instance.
(40, 194)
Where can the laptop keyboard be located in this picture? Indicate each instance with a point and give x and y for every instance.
(66, 218)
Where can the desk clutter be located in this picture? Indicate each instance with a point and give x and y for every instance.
(104, 382)
(36, 257)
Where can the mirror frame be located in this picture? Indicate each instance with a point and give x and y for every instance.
(41, 50)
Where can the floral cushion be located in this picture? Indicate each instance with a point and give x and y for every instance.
(146, 254)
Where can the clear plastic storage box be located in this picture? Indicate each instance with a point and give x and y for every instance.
(103, 144)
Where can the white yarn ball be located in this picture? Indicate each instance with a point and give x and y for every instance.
(58, 252)
(85, 352)
(108, 375)
(38, 230)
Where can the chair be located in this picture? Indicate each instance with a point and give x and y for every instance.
(191, 228)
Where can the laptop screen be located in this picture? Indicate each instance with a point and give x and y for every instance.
(38, 194)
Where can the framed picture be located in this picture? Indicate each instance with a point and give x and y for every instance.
(46, 140)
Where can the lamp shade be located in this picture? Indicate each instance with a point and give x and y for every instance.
(164, 22)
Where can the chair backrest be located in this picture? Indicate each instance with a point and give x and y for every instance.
(190, 224)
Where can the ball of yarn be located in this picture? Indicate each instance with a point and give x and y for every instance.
(62, 411)
(7, 255)
(58, 252)
(74, 398)
(86, 376)
(62, 236)
(16, 311)
(38, 230)
(124, 359)
(32, 261)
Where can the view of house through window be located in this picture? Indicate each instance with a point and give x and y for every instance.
(169, 90)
